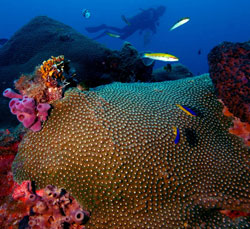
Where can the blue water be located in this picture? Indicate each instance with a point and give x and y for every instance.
(212, 22)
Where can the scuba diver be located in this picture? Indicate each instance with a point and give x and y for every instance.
(145, 20)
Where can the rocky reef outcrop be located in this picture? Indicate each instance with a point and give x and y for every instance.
(94, 64)
(229, 68)
(171, 72)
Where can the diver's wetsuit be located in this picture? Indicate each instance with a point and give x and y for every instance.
(147, 19)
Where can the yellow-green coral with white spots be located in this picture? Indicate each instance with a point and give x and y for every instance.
(113, 149)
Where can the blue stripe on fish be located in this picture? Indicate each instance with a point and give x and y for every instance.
(177, 135)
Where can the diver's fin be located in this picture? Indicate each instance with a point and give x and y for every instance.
(96, 28)
(100, 35)
(3, 41)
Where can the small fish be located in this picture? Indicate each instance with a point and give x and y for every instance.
(168, 68)
(186, 110)
(161, 56)
(177, 134)
(125, 20)
(86, 13)
(113, 35)
(3, 41)
(199, 52)
(179, 23)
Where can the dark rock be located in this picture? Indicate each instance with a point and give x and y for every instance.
(173, 72)
(44, 37)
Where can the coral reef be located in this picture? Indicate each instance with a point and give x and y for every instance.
(229, 68)
(38, 90)
(46, 84)
(94, 64)
(49, 208)
(113, 149)
(126, 65)
(9, 210)
(8, 149)
(30, 114)
(90, 59)
(240, 129)
(23, 207)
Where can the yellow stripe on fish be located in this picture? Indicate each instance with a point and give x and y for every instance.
(160, 56)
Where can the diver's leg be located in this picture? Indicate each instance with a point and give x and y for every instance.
(103, 26)
(96, 28)
(126, 34)
(115, 29)
(100, 35)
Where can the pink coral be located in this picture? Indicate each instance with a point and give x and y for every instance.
(11, 94)
(27, 111)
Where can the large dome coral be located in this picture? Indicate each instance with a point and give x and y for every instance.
(113, 148)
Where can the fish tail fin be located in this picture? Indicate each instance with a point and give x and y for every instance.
(146, 61)
(96, 28)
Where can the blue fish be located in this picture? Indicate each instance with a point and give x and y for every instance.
(187, 110)
(177, 134)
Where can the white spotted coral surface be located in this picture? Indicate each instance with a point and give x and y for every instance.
(113, 149)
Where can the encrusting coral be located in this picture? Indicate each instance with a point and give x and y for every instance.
(240, 129)
(51, 207)
(46, 84)
(38, 90)
(229, 68)
(113, 149)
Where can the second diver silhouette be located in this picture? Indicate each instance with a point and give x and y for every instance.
(145, 20)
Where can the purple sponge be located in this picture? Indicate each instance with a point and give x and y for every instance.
(26, 110)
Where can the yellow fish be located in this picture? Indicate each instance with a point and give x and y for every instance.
(113, 35)
(179, 23)
(161, 56)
